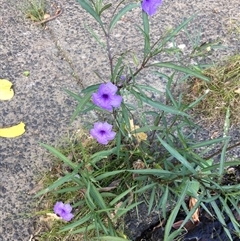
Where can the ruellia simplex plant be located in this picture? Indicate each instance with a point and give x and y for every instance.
(141, 149)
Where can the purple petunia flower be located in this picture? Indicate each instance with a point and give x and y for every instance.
(63, 210)
(106, 97)
(102, 132)
(150, 6)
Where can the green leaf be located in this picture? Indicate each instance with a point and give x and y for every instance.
(165, 202)
(121, 211)
(193, 188)
(75, 96)
(146, 33)
(68, 190)
(175, 31)
(59, 155)
(109, 174)
(117, 66)
(152, 199)
(221, 218)
(102, 155)
(119, 197)
(173, 215)
(110, 238)
(105, 7)
(56, 184)
(223, 157)
(196, 101)
(76, 223)
(91, 31)
(230, 215)
(85, 5)
(156, 172)
(144, 188)
(227, 122)
(124, 10)
(149, 88)
(159, 106)
(90, 88)
(208, 142)
(183, 69)
(85, 229)
(97, 197)
(177, 155)
(146, 129)
(81, 105)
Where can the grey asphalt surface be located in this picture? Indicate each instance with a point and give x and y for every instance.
(63, 55)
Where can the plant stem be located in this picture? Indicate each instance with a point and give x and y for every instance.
(219, 151)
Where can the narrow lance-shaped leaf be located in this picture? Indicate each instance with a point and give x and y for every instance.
(81, 105)
(103, 45)
(110, 238)
(105, 7)
(182, 69)
(175, 31)
(174, 213)
(124, 10)
(177, 155)
(85, 5)
(59, 155)
(146, 31)
(159, 106)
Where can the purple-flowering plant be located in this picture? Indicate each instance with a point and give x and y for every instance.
(63, 210)
(106, 97)
(102, 132)
(150, 6)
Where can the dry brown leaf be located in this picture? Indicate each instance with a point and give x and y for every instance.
(141, 136)
(195, 216)
(46, 16)
(237, 91)
(188, 225)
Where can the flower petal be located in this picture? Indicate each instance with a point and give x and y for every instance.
(116, 101)
(150, 6)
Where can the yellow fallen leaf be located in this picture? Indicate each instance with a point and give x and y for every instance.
(12, 131)
(141, 136)
(237, 91)
(6, 91)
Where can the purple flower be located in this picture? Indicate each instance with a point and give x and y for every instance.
(102, 132)
(63, 210)
(150, 6)
(106, 97)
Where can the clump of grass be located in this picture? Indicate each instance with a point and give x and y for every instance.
(77, 149)
(224, 91)
(34, 9)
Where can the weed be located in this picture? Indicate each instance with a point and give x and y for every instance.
(223, 90)
(34, 9)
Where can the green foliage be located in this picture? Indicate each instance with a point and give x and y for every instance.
(156, 160)
(223, 91)
(34, 9)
